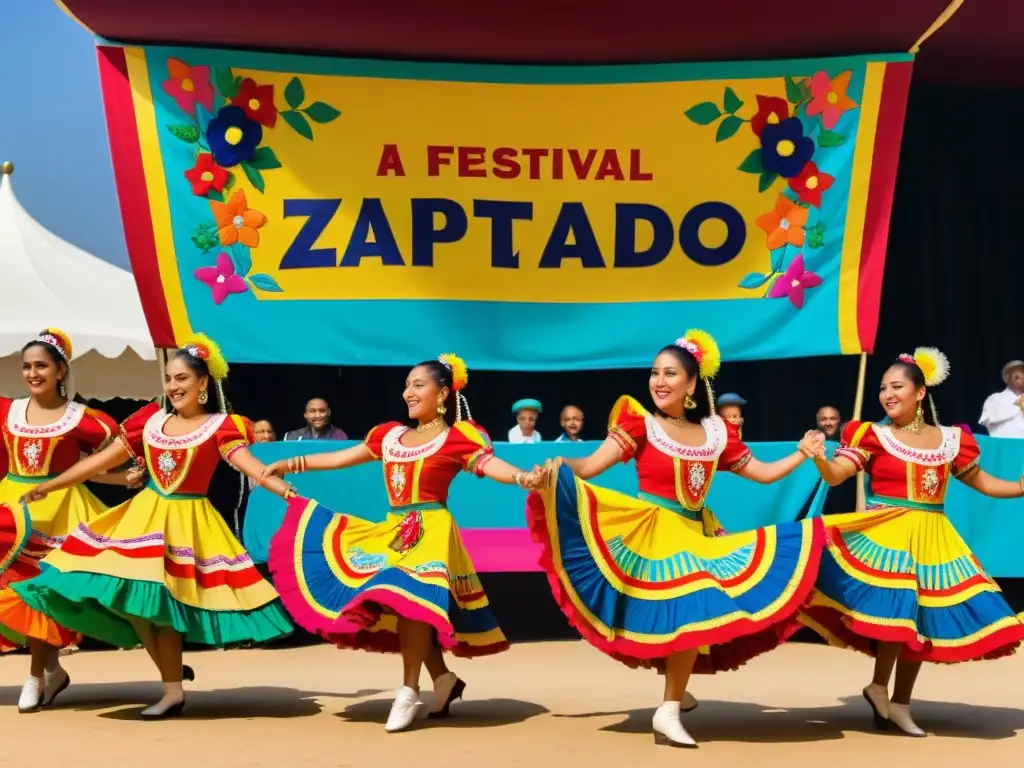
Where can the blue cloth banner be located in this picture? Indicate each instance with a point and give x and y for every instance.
(992, 527)
(479, 504)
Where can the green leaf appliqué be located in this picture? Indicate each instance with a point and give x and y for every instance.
(704, 113)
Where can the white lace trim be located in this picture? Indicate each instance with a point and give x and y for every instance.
(153, 433)
(927, 457)
(393, 451)
(713, 446)
(18, 424)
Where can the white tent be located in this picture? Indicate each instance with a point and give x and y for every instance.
(50, 283)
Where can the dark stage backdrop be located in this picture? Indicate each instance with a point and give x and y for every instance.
(953, 279)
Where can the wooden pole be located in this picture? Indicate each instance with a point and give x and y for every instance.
(858, 407)
(161, 360)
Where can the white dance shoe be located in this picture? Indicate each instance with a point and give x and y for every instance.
(447, 688)
(668, 731)
(171, 705)
(899, 715)
(689, 703)
(31, 695)
(54, 684)
(404, 710)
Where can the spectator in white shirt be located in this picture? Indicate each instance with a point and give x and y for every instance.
(572, 424)
(526, 412)
(1003, 413)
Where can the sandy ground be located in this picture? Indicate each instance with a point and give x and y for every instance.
(558, 704)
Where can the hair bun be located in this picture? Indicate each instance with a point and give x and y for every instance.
(932, 362)
(704, 349)
(202, 347)
(457, 366)
(57, 339)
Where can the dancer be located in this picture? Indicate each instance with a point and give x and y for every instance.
(656, 581)
(42, 435)
(163, 567)
(407, 584)
(898, 582)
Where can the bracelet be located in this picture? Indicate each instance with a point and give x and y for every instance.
(518, 479)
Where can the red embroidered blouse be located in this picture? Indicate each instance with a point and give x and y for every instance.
(424, 473)
(183, 464)
(39, 451)
(668, 469)
(900, 472)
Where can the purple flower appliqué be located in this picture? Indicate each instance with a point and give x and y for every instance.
(221, 279)
(793, 282)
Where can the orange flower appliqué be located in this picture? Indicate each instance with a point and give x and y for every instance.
(784, 225)
(237, 222)
(829, 99)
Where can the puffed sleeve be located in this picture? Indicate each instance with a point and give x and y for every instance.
(736, 453)
(851, 444)
(234, 432)
(96, 430)
(968, 456)
(472, 445)
(627, 426)
(375, 437)
(132, 429)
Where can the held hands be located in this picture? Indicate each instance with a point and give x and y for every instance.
(276, 469)
(135, 477)
(813, 444)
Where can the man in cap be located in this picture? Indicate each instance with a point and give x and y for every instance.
(730, 407)
(526, 412)
(1003, 413)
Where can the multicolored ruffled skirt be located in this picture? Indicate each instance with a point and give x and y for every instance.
(166, 559)
(25, 538)
(640, 580)
(349, 580)
(900, 572)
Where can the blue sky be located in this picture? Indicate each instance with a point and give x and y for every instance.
(52, 127)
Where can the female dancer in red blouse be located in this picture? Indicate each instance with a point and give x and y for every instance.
(42, 435)
(406, 584)
(656, 581)
(898, 582)
(164, 567)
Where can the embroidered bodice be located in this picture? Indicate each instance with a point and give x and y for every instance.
(183, 464)
(49, 449)
(898, 471)
(669, 469)
(415, 475)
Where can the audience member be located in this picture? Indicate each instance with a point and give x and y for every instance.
(1003, 413)
(572, 424)
(829, 422)
(730, 407)
(526, 412)
(318, 424)
(263, 431)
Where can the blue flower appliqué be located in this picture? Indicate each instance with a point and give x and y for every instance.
(784, 148)
(233, 137)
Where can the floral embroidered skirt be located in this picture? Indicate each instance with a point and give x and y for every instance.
(349, 580)
(24, 540)
(641, 580)
(167, 560)
(904, 574)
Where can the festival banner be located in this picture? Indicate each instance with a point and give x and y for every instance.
(332, 211)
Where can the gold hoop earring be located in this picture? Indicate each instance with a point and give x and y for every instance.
(689, 403)
(204, 397)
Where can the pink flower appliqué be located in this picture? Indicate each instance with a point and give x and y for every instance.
(792, 284)
(188, 85)
(222, 278)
